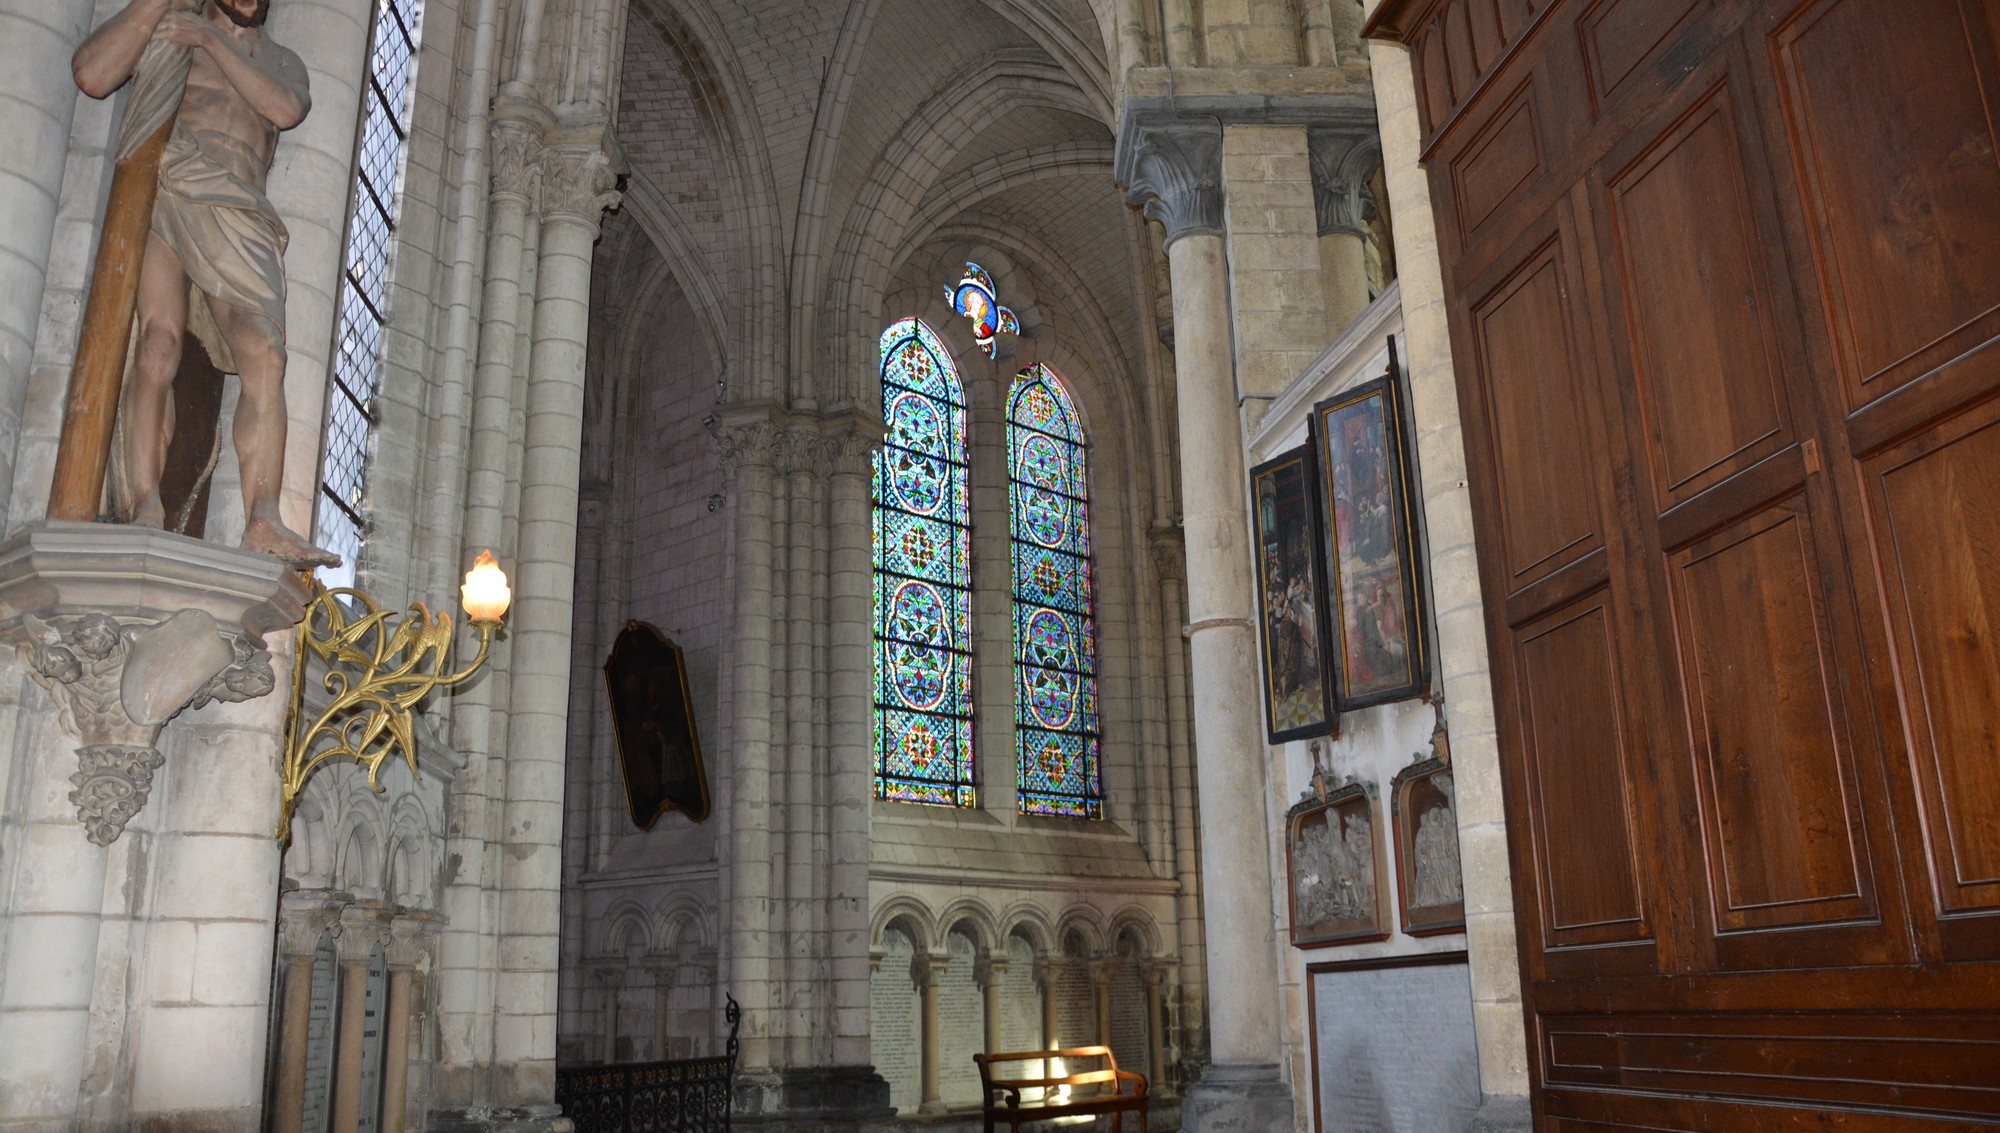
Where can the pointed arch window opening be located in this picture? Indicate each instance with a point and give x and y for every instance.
(1057, 732)
(367, 269)
(923, 577)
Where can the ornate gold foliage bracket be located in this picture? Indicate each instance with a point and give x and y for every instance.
(378, 669)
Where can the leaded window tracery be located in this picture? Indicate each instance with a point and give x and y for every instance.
(923, 577)
(1057, 728)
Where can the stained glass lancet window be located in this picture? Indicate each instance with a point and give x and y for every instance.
(1055, 633)
(364, 280)
(923, 572)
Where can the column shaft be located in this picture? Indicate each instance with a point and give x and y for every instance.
(928, 990)
(290, 1100)
(347, 1046)
(530, 882)
(1243, 1027)
(396, 1051)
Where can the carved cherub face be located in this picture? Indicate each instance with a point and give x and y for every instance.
(57, 663)
(96, 637)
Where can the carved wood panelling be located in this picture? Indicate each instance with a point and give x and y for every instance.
(1725, 309)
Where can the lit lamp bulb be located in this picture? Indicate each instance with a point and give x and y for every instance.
(485, 594)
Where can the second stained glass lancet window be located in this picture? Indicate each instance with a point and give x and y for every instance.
(1055, 630)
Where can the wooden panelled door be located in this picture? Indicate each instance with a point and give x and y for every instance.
(1724, 282)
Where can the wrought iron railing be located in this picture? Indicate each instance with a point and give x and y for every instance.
(688, 1095)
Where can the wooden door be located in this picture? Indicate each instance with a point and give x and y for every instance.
(1724, 282)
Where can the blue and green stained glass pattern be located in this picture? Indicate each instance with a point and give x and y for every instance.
(923, 572)
(1055, 634)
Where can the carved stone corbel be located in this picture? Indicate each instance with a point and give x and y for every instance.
(116, 684)
(127, 628)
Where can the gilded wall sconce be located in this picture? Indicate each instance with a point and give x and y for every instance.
(378, 670)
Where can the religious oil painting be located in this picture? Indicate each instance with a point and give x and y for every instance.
(1337, 887)
(652, 718)
(1429, 885)
(1291, 597)
(1379, 639)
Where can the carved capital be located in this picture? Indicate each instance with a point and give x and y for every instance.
(1169, 549)
(1342, 162)
(578, 184)
(1172, 169)
(517, 160)
(747, 441)
(305, 915)
(802, 448)
(410, 938)
(364, 927)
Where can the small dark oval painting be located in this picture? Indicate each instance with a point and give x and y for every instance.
(652, 716)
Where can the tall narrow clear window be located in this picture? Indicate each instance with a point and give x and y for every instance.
(1055, 634)
(366, 268)
(923, 575)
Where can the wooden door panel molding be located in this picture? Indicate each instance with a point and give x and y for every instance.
(1576, 751)
(1705, 352)
(1572, 1110)
(1780, 809)
(1943, 1063)
(1536, 420)
(1937, 528)
(1497, 166)
(1618, 35)
(1899, 176)
(1755, 488)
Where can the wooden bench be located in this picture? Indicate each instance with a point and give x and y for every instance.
(1000, 1098)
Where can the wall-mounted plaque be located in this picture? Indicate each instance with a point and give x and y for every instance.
(652, 717)
(1292, 593)
(1333, 852)
(1424, 810)
(1379, 628)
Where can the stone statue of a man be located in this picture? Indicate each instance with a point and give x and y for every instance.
(214, 259)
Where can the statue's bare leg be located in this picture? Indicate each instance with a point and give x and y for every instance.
(149, 399)
(259, 431)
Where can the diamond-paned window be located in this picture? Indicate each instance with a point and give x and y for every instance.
(366, 269)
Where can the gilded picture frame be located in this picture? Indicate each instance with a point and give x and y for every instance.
(653, 722)
(1377, 607)
(1291, 591)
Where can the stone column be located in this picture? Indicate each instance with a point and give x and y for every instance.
(1156, 1023)
(1100, 995)
(665, 970)
(576, 188)
(303, 917)
(38, 99)
(612, 981)
(51, 928)
(850, 609)
(364, 926)
(1045, 983)
(746, 440)
(989, 975)
(1175, 170)
(1341, 164)
(927, 971)
(1170, 560)
(409, 951)
(465, 961)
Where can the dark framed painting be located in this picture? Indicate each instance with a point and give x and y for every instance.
(1334, 861)
(1378, 630)
(652, 719)
(1291, 597)
(1430, 888)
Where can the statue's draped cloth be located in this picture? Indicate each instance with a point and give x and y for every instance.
(210, 210)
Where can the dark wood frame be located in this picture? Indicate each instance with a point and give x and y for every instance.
(645, 812)
(1330, 805)
(1449, 918)
(1417, 960)
(1329, 723)
(1405, 518)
